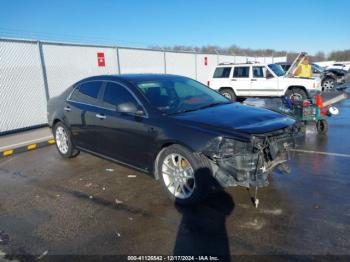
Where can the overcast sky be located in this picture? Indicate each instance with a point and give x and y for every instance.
(313, 25)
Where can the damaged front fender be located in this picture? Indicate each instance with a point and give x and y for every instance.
(249, 163)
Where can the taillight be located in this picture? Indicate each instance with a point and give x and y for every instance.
(208, 84)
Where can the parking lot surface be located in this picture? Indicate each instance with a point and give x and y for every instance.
(90, 206)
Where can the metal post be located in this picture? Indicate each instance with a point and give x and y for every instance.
(43, 70)
(195, 65)
(118, 61)
(164, 57)
(217, 56)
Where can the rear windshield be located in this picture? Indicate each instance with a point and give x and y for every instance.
(222, 72)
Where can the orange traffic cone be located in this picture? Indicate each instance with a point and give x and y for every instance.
(319, 101)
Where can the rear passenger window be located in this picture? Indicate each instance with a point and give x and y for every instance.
(222, 72)
(241, 71)
(87, 92)
(258, 71)
(116, 94)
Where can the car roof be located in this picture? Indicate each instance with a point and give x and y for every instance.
(240, 64)
(132, 77)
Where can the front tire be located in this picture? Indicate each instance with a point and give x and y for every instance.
(64, 142)
(328, 84)
(184, 175)
(322, 126)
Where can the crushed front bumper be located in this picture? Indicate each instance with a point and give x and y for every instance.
(247, 164)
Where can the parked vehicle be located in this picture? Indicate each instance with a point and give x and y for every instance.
(340, 65)
(330, 77)
(185, 134)
(237, 81)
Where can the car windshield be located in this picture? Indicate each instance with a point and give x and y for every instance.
(317, 68)
(277, 69)
(177, 95)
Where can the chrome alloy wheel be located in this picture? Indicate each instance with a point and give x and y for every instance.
(296, 97)
(178, 176)
(62, 140)
(328, 85)
(227, 95)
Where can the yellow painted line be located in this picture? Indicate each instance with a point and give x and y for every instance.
(32, 146)
(7, 152)
(51, 141)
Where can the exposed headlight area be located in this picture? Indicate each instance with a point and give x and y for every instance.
(249, 163)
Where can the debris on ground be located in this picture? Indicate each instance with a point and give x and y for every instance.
(43, 254)
(118, 234)
(109, 169)
(58, 195)
(117, 201)
(88, 185)
(4, 238)
(103, 188)
(132, 176)
(131, 219)
(91, 197)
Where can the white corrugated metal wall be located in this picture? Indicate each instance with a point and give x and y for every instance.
(180, 64)
(32, 71)
(141, 61)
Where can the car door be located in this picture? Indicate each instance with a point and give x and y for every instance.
(240, 80)
(263, 82)
(79, 112)
(125, 137)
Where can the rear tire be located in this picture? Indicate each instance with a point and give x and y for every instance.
(228, 93)
(184, 175)
(297, 94)
(64, 143)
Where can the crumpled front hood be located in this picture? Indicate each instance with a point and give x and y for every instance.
(237, 117)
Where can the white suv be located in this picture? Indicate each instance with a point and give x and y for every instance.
(238, 81)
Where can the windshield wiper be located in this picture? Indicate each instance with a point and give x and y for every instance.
(214, 104)
(199, 108)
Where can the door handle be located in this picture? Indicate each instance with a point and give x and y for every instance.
(252, 79)
(67, 108)
(100, 116)
(233, 79)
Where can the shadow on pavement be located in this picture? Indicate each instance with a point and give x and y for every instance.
(202, 230)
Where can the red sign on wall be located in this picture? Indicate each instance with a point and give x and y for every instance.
(101, 59)
(205, 60)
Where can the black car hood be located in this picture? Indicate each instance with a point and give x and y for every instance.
(238, 118)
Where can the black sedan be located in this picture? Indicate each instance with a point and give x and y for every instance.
(175, 128)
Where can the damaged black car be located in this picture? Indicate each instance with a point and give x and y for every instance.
(185, 134)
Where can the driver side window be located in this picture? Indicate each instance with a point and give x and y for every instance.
(115, 95)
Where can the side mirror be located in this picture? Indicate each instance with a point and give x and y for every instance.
(129, 108)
